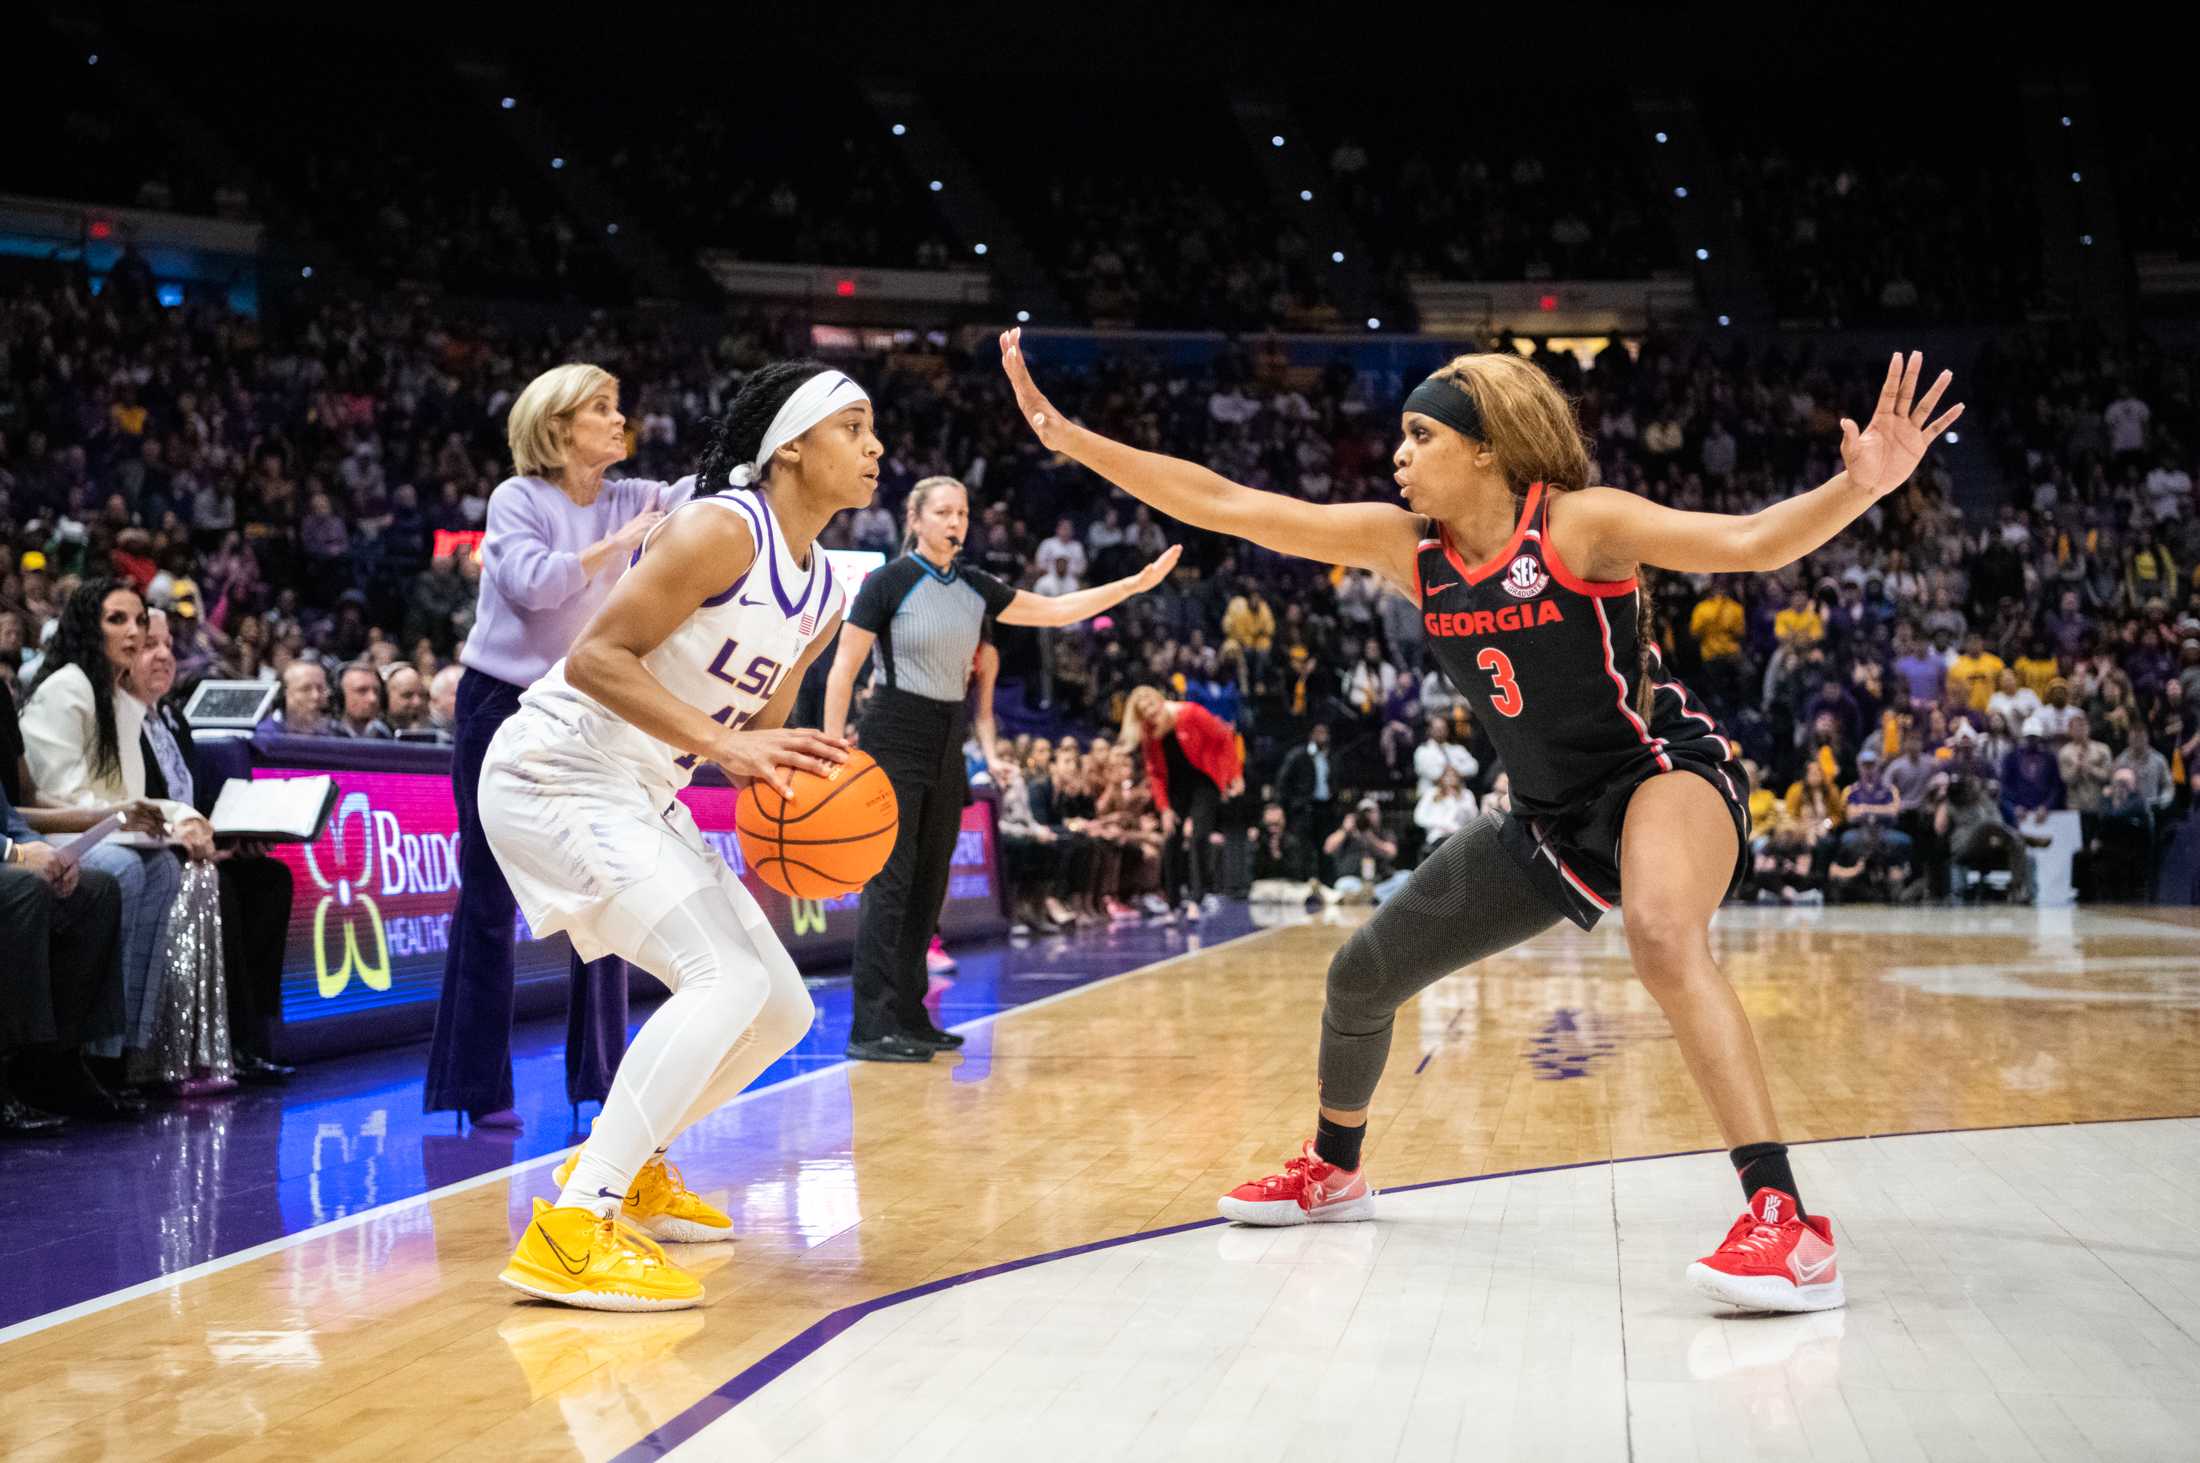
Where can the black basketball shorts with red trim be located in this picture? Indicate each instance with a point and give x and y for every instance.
(1572, 856)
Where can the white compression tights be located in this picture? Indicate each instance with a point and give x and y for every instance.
(737, 1006)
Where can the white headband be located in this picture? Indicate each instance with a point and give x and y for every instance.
(812, 402)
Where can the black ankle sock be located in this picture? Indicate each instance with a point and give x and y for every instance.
(1335, 1143)
(1765, 1166)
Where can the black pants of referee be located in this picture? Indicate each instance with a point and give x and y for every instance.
(918, 742)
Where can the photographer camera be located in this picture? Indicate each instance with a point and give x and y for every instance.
(1873, 857)
(1364, 856)
(1968, 816)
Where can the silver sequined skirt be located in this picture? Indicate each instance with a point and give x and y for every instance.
(191, 1024)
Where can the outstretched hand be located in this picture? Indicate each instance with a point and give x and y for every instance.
(1158, 570)
(1881, 457)
(1046, 422)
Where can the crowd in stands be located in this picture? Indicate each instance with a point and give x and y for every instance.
(1510, 197)
(1160, 218)
(1852, 222)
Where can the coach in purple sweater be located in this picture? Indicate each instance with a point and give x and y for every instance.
(558, 538)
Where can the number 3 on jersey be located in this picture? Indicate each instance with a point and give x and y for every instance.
(1505, 700)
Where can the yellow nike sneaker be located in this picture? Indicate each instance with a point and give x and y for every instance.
(662, 1206)
(572, 1256)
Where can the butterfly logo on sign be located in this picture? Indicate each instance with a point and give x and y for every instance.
(345, 891)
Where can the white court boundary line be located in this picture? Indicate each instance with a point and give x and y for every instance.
(220, 1263)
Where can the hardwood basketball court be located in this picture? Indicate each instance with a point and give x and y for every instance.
(2018, 1285)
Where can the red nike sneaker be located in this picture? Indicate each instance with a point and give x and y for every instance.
(1308, 1191)
(1773, 1260)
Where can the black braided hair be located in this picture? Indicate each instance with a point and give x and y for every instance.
(748, 416)
(80, 640)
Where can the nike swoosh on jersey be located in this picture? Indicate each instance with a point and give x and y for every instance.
(571, 1267)
(1440, 588)
(754, 604)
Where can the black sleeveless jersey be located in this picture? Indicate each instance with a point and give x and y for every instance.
(1550, 664)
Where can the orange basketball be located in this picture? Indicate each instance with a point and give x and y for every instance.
(829, 838)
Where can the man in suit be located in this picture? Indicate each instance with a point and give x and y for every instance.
(1305, 787)
(61, 983)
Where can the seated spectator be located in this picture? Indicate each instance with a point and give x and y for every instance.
(1250, 624)
(1764, 808)
(1718, 623)
(1063, 557)
(439, 595)
(81, 739)
(61, 984)
(1365, 856)
(1030, 857)
(443, 702)
(1069, 812)
(254, 891)
(1125, 808)
(1872, 855)
(1799, 623)
(304, 712)
(1784, 869)
(1499, 799)
(2031, 779)
(1283, 866)
(1815, 803)
(1969, 819)
(1871, 863)
(363, 703)
(1440, 754)
(407, 696)
(1371, 680)
(1444, 809)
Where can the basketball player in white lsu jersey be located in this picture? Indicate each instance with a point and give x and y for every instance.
(697, 656)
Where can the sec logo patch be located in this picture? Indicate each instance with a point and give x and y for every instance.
(1525, 579)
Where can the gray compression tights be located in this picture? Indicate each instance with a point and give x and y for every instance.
(1469, 899)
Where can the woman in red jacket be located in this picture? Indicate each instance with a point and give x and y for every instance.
(1192, 765)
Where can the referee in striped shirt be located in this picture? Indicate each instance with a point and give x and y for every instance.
(924, 614)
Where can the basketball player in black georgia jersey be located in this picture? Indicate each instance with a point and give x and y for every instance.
(1621, 783)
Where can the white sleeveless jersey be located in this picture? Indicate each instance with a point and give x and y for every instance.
(725, 660)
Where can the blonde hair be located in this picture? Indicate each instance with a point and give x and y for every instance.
(918, 496)
(540, 424)
(1528, 423)
(1135, 707)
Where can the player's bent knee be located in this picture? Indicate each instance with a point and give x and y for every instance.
(786, 1018)
(1355, 997)
(1664, 942)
